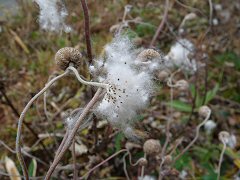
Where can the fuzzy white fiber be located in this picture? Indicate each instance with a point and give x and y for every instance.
(52, 15)
(179, 55)
(209, 126)
(129, 87)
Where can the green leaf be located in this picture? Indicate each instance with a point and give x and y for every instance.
(118, 141)
(32, 169)
(212, 93)
(181, 106)
(182, 162)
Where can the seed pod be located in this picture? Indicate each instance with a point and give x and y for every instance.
(148, 54)
(163, 75)
(142, 162)
(68, 55)
(182, 85)
(151, 147)
(204, 111)
(224, 136)
(168, 159)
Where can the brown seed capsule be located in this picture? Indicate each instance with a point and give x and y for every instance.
(148, 54)
(182, 85)
(151, 147)
(204, 111)
(168, 159)
(224, 136)
(67, 55)
(142, 162)
(163, 75)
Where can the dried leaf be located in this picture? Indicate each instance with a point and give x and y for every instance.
(12, 169)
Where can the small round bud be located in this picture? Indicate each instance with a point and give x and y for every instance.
(163, 75)
(182, 85)
(148, 54)
(204, 111)
(67, 55)
(224, 136)
(168, 159)
(151, 146)
(142, 162)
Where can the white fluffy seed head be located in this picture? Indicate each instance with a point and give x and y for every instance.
(129, 87)
(209, 126)
(52, 15)
(179, 55)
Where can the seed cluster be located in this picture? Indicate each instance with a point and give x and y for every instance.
(68, 55)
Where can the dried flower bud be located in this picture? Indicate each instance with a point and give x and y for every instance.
(67, 55)
(151, 146)
(163, 75)
(142, 161)
(148, 54)
(168, 159)
(204, 111)
(224, 136)
(182, 85)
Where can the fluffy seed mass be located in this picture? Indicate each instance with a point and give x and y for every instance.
(129, 87)
(52, 15)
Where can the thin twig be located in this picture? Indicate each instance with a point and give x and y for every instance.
(21, 120)
(161, 25)
(72, 133)
(74, 160)
(87, 29)
(106, 160)
(195, 138)
(16, 113)
(220, 160)
(210, 12)
(125, 166)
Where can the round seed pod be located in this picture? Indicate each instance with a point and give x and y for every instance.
(183, 85)
(224, 136)
(168, 159)
(204, 111)
(68, 55)
(163, 75)
(152, 147)
(148, 54)
(142, 162)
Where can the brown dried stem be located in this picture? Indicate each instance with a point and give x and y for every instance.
(87, 29)
(161, 25)
(72, 134)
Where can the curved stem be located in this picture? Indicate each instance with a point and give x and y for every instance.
(220, 160)
(194, 140)
(97, 84)
(20, 123)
